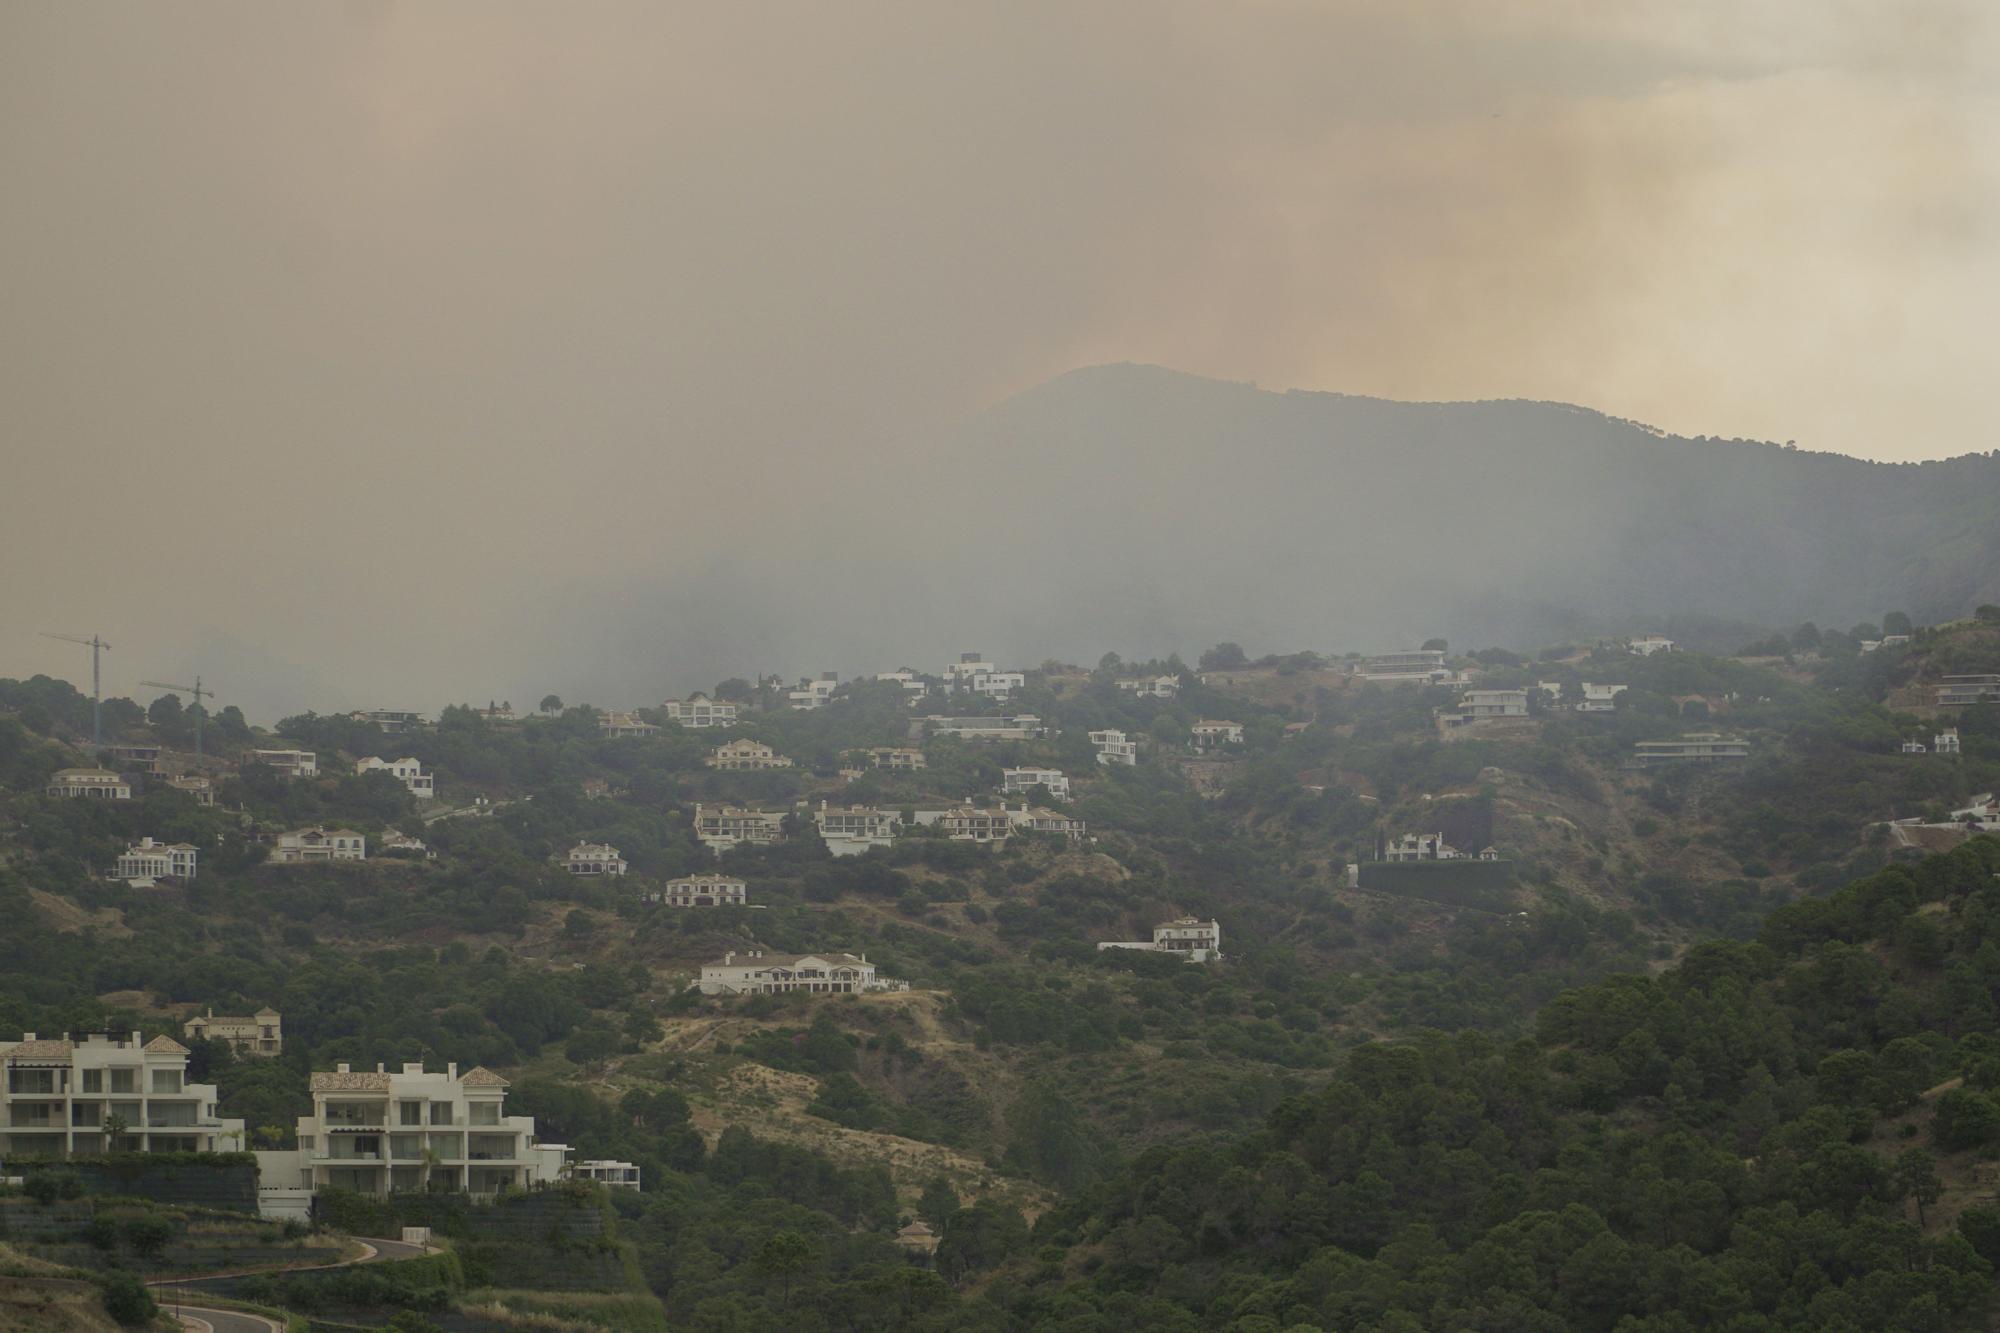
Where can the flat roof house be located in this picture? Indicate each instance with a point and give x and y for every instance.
(699, 891)
(745, 755)
(905, 758)
(1946, 741)
(700, 712)
(1599, 698)
(1025, 727)
(1113, 747)
(849, 830)
(1961, 691)
(406, 771)
(815, 693)
(958, 674)
(609, 1173)
(594, 858)
(721, 827)
(1212, 735)
(318, 844)
(1418, 665)
(1015, 781)
(57, 1098)
(259, 1034)
(136, 757)
(146, 860)
(1695, 746)
(1485, 705)
(1187, 937)
(755, 972)
(390, 720)
(90, 784)
(1152, 687)
(290, 763)
(1648, 644)
(194, 785)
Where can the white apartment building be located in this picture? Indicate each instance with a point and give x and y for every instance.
(1421, 847)
(194, 785)
(849, 830)
(291, 763)
(700, 712)
(1946, 741)
(1211, 735)
(62, 1097)
(1015, 781)
(621, 725)
(1599, 698)
(318, 844)
(1488, 706)
(755, 972)
(721, 827)
(1038, 819)
(1960, 691)
(389, 720)
(1025, 727)
(1152, 687)
(378, 1132)
(406, 771)
(90, 784)
(904, 758)
(699, 891)
(812, 694)
(1193, 940)
(1114, 747)
(259, 1034)
(594, 858)
(1699, 746)
(1648, 644)
(147, 860)
(609, 1173)
(1418, 665)
(959, 674)
(745, 755)
(998, 684)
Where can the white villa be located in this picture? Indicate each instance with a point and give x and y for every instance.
(958, 675)
(904, 757)
(618, 724)
(1599, 698)
(721, 827)
(390, 720)
(1026, 727)
(1418, 665)
(1915, 747)
(146, 860)
(1946, 741)
(1648, 644)
(595, 858)
(374, 1133)
(1114, 748)
(406, 771)
(745, 755)
(998, 684)
(91, 784)
(815, 693)
(194, 785)
(1193, 940)
(1209, 735)
(1421, 847)
(969, 823)
(1959, 691)
(849, 830)
(607, 1172)
(291, 763)
(1984, 811)
(699, 891)
(58, 1098)
(1036, 819)
(260, 1034)
(755, 972)
(1152, 687)
(1484, 705)
(1015, 781)
(1700, 746)
(698, 711)
(914, 686)
(318, 844)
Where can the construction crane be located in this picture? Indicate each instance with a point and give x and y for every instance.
(97, 647)
(197, 691)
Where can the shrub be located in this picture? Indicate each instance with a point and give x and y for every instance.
(127, 1300)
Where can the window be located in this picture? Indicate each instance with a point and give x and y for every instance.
(166, 1080)
(410, 1113)
(124, 1080)
(440, 1113)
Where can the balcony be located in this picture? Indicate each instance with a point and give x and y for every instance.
(347, 1155)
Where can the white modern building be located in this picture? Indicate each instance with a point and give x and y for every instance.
(997, 684)
(1599, 698)
(1213, 735)
(1025, 727)
(897, 758)
(1490, 705)
(1017, 781)
(389, 720)
(958, 675)
(721, 827)
(378, 1132)
(1187, 937)
(406, 771)
(594, 858)
(1152, 687)
(914, 687)
(319, 844)
(1961, 691)
(1421, 847)
(147, 860)
(105, 1093)
(620, 725)
(290, 763)
(970, 823)
(194, 785)
(745, 755)
(755, 972)
(259, 1034)
(700, 712)
(1946, 741)
(90, 784)
(1648, 644)
(1037, 819)
(135, 758)
(1696, 746)
(1419, 666)
(1114, 747)
(699, 891)
(609, 1173)
(815, 693)
(849, 830)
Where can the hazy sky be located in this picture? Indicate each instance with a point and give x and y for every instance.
(356, 349)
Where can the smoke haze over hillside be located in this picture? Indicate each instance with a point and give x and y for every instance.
(392, 355)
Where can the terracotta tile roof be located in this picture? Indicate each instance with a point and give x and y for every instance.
(356, 1082)
(165, 1045)
(482, 1077)
(45, 1049)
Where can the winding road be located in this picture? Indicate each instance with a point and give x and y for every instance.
(210, 1319)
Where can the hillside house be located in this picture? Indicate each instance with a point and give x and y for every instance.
(917, 1239)
(146, 860)
(90, 784)
(1599, 698)
(849, 830)
(1114, 747)
(1552, 691)
(289, 764)
(1188, 938)
(1648, 644)
(1015, 781)
(1420, 666)
(996, 684)
(503, 712)
(812, 694)
(1037, 819)
(1421, 847)
(406, 771)
(699, 712)
(608, 1173)
(721, 827)
(1946, 741)
(390, 721)
(699, 891)
(393, 841)
(1983, 813)
(1490, 706)
(909, 681)
(897, 758)
(1213, 735)
(306, 845)
(1963, 691)
(382, 1132)
(260, 1034)
(135, 758)
(619, 725)
(1914, 747)
(970, 823)
(745, 755)
(958, 675)
(194, 785)
(754, 972)
(1025, 727)
(1693, 746)
(57, 1098)
(1152, 687)
(595, 858)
